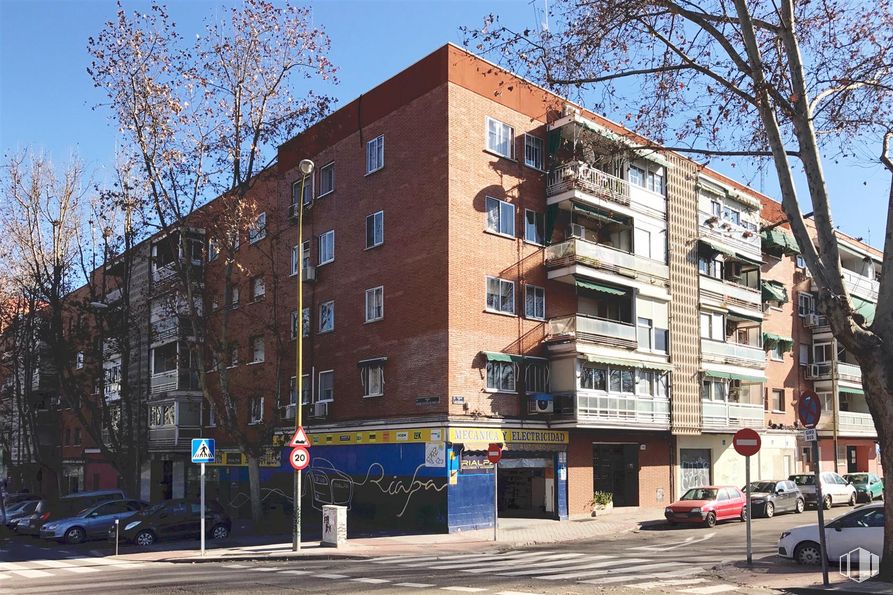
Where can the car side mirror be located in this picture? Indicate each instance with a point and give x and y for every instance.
(837, 528)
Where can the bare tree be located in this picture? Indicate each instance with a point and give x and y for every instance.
(198, 116)
(781, 79)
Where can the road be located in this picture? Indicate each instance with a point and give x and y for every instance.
(659, 560)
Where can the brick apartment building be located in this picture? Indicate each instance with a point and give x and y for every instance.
(487, 262)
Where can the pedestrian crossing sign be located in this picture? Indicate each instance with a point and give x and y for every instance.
(202, 450)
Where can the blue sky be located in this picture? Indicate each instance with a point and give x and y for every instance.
(47, 99)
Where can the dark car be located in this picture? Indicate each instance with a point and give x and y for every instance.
(13, 499)
(91, 523)
(174, 519)
(18, 511)
(64, 507)
(769, 497)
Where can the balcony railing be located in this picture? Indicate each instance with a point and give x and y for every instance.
(731, 294)
(173, 380)
(850, 422)
(583, 177)
(603, 257)
(860, 285)
(592, 329)
(722, 414)
(733, 353)
(822, 371)
(172, 437)
(617, 410)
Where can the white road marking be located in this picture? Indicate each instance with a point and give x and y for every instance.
(3, 576)
(668, 583)
(711, 589)
(371, 581)
(464, 589)
(627, 577)
(550, 560)
(608, 571)
(234, 566)
(31, 573)
(479, 562)
(671, 546)
(51, 564)
(414, 585)
(543, 568)
(11, 566)
(295, 572)
(84, 569)
(104, 562)
(273, 569)
(389, 559)
(515, 593)
(331, 576)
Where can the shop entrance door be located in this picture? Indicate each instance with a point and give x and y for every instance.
(524, 486)
(615, 469)
(852, 464)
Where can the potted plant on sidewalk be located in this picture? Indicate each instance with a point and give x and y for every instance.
(601, 503)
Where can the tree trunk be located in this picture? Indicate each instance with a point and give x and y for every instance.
(254, 489)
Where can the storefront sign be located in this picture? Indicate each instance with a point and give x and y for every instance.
(378, 437)
(435, 454)
(507, 436)
(235, 458)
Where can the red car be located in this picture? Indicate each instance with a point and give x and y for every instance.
(707, 505)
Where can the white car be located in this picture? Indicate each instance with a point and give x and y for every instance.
(835, 489)
(863, 527)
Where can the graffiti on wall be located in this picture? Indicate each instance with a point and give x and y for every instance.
(695, 468)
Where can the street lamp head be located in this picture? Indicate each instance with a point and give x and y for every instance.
(306, 166)
(99, 305)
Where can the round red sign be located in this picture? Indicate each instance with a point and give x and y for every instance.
(747, 442)
(299, 458)
(494, 453)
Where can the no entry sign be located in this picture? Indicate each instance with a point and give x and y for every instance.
(747, 442)
(809, 409)
(494, 453)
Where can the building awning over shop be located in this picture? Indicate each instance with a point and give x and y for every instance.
(628, 363)
(777, 241)
(596, 213)
(733, 376)
(851, 391)
(865, 308)
(731, 253)
(771, 340)
(774, 291)
(372, 361)
(593, 286)
(496, 356)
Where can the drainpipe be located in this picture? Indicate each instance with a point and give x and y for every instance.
(835, 399)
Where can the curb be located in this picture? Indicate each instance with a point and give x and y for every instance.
(271, 558)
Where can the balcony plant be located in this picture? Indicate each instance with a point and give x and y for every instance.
(601, 503)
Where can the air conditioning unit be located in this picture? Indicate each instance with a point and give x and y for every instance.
(575, 230)
(540, 403)
(318, 410)
(289, 412)
(811, 320)
(309, 274)
(293, 211)
(570, 110)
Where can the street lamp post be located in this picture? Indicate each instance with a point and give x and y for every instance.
(306, 168)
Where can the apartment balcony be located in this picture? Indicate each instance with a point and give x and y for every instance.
(733, 354)
(172, 437)
(577, 251)
(737, 238)
(723, 415)
(595, 409)
(726, 293)
(174, 381)
(581, 176)
(43, 379)
(170, 329)
(590, 329)
(860, 285)
(850, 423)
(165, 276)
(845, 372)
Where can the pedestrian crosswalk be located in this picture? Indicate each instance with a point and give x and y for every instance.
(63, 567)
(632, 572)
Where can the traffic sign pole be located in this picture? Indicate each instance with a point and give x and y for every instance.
(495, 502)
(747, 443)
(747, 486)
(203, 508)
(821, 510)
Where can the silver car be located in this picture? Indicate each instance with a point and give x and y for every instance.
(835, 489)
(18, 511)
(91, 523)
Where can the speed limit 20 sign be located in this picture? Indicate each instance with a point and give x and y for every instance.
(299, 458)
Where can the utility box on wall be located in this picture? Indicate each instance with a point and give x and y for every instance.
(334, 525)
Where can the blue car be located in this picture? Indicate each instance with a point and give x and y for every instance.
(93, 522)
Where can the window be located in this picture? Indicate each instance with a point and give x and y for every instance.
(294, 261)
(714, 390)
(234, 356)
(77, 436)
(821, 353)
(306, 387)
(776, 400)
(307, 184)
(327, 317)
(536, 377)
(326, 179)
(212, 415)
(533, 227)
(164, 358)
(500, 217)
(799, 262)
(374, 304)
(500, 138)
(650, 177)
(233, 297)
(375, 154)
(213, 249)
(294, 324)
(257, 349)
(642, 239)
(258, 289)
(258, 231)
(375, 229)
(805, 304)
(501, 376)
(257, 410)
(232, 237)
(305, 254)
(715, 208)
(326, 387)
(624, 381)
(373, 380)
(533, 152)
(163, 415)
(776, 352)
(327, 247)
(713, 326)
(803, 356)
(644, 326)
(500, 295)
(305, 327)
(67, 436)
(79, 360)
(292, 391)
(534, 302)
(731, 215)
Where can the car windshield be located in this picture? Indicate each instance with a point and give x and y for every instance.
(700, 494)
(803, 480)
(154, 508)
(856, 477)
(762, 486)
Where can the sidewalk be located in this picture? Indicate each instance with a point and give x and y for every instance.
(512, 533)
(793, 578)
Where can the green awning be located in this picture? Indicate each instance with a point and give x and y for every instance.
(742, 313)
(777, 241)
(628, 363)
(865, 308)
(851, 391)
(748, 259)
(774, 291)
(731, 376)
(495, 356)
(598, 287)
(717, 247)
(771, 339)
(596, 213)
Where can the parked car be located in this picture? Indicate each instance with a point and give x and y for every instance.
(64, 507)
(835, 489)
(863, 527)
(18, 511)
(707, 505)
(12, 499)
(769, 497)
(868, 486)
(174, 519)
(91, 523)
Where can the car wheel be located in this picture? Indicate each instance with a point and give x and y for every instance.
(852, 501)
(826, 503)
(219, 532)
(808, 553)
(145, 538)
(710, 520)
(880, 497)
(75, 535)
(800, 506)
(770, 510)
(743, 515)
